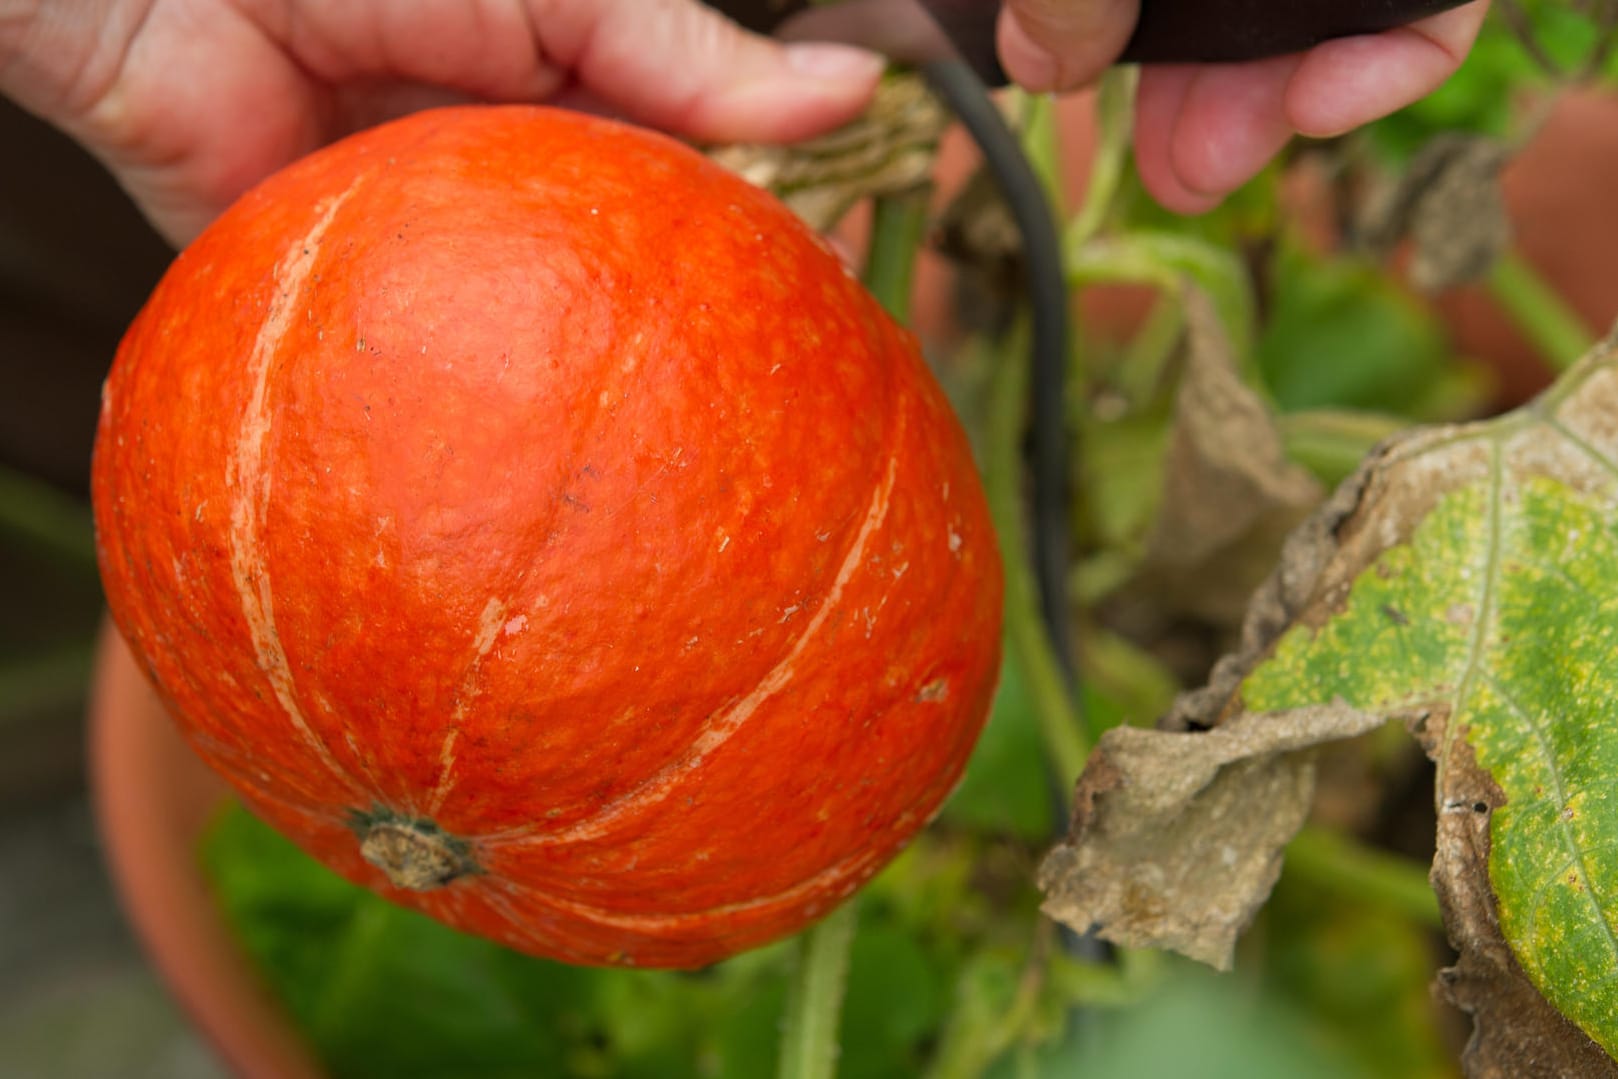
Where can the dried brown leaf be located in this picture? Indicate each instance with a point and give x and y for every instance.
(1517, 1033)
(1449, 204)
(1177, 836)
(1177, 833)
(888, 150)
(1230, 495)
(1411, 587)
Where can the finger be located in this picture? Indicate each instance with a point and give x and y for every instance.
(1055, 45)
(679, 65)
(1346, 83)
(1231, 123)
(1158, 102)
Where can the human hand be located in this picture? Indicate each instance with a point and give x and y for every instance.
(190, 102)
(1202, 130)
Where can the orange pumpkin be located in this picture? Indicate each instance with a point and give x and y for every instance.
(541, 527)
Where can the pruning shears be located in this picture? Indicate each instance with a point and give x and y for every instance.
(1167, 31)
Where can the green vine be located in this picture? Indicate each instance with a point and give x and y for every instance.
(809, 1044)
(809, 1036)
(1028, 646)
(1539, 312)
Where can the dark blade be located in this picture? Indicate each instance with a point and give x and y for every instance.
(1168, 31)
(969, 25)
(1221, 31)
(909, 31)
(1198, 31)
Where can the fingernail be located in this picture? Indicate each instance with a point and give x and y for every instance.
(840, 63)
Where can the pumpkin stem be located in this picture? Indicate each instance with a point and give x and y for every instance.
(412, 856)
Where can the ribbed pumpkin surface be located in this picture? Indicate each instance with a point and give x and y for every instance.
(541, 527)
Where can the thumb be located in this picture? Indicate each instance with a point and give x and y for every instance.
(1054, 45)
(679, 65)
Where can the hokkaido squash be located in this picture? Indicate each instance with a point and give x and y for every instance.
(540, 526)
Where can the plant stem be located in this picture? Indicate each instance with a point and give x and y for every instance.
(1332, 442)
(809, 1045)
(1350, 868)
(898, 223)
(1539, 311)
(1036, 133)
(974, 1041)
(1109, 985)
(1142, 373)
(1026, 641)
(1166, 261)
(1115, 120)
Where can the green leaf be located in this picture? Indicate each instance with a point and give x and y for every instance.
(1340, 334)
(1363, 971)
(1204, 1026)
(1166, 259)
(1481, 562)
(1484, 94)
(1002, 791)
(1461, 581)
(896, 998)
(379, 990)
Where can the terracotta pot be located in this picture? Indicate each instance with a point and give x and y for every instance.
(153, 799)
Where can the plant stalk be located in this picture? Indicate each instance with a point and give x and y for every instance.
(1538, 311)
(1029, 647)
(898, 224)
(809, 1042)
(1331, 443)
(809, 1038)
(1115, 114)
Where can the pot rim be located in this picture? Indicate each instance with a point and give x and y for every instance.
(152, 799)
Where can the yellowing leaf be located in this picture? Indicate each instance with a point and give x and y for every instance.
(1466, 580)
(1482, 605)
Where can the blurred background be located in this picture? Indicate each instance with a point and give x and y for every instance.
(77, 999)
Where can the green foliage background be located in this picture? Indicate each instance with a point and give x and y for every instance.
(952, 971)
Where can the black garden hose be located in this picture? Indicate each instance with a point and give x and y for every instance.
(966, 96)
